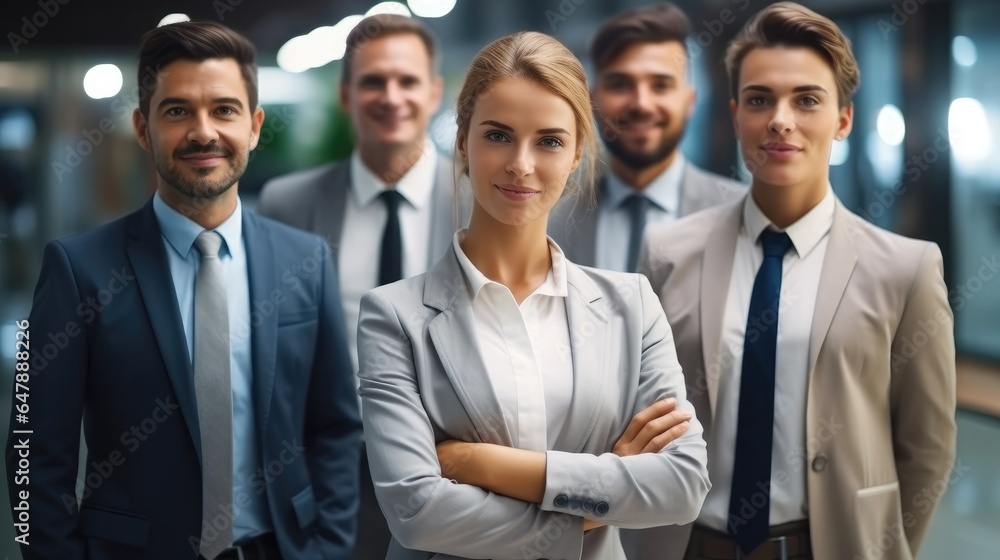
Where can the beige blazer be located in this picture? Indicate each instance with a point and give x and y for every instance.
(880, 407)
(423, 380)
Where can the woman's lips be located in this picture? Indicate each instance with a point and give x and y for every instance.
(516, 192)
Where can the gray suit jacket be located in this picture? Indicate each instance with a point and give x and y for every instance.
(880, 407)
(316, 199)
(573, 223)
(423, 380)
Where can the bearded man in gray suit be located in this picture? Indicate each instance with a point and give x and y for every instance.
(387, 211)
(642, 100)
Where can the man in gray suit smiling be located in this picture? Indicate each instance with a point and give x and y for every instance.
(387, 211)
(642, 100)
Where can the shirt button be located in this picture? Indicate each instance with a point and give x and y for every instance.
(819, 463)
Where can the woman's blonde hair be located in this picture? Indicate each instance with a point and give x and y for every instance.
(542, 60)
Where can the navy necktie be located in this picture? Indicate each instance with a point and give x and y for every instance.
(636, 204)
(391, 261)
(750, 500)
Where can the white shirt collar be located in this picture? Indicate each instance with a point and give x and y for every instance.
(415, 186)
(663, 191)
(555, 283)
(805, 233)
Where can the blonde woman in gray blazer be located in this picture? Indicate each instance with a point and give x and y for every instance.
(517, 405)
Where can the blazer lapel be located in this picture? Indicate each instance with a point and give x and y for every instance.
(149, 261)
(588, 324)
(717, 270)
(328, 214)
(582, 230)
(445, 214)
(453, 335)
(262, 278)
(838, 266)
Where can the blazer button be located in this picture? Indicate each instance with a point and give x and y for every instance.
(819, 463)
(588, 505)
(561, 501)
(601, 508)
(575, 502)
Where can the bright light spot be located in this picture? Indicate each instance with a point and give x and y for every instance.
(102, 81)
(968, 130)
(886, 160)
(443, 130)
(431, 8)
(890, 125)
(388, 8)
(173, 18)
(280, 87)
(963, 50)
(321, 46)
(840, 152)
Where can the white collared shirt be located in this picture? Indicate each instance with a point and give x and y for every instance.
(364, 224)
(532, 379)
(614, 227)
(801, 270)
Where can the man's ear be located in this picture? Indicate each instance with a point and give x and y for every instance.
(141, 128)
(256, 122)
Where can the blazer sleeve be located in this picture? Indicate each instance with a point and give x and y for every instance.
(424, 510)
(643, 490)
(333, 426)
(922, 394)
(57, 387)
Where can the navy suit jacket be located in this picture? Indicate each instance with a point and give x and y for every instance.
(107, 347)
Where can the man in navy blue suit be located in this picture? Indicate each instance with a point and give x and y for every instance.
(202, 346)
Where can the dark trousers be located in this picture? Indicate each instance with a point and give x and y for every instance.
(373, 538)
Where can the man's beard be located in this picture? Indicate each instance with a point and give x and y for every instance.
(201, 187)
(640, 160)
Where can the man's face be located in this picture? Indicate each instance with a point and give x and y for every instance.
(392, 92)
(200, 128)
(642, 101)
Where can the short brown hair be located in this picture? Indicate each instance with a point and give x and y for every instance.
(384, 25)
(194, 40)
(793, 25)
(657, 23)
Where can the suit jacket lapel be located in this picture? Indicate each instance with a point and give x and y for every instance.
(262, 278)
(453, 335)
(443, 219)
(582, 230)
(328, 214)
(587, 321)
(838, 266)
(148, 257)
(717, 270)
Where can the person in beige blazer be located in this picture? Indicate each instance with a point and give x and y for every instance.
(515, 404)
(863, 377)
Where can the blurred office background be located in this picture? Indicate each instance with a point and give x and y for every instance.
(923, 158)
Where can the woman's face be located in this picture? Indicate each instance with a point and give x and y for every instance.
(521, 147)
(787, 116)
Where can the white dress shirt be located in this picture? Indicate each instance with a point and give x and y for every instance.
(520, 346)
(364, 224)
(614, 226)
(801, 269)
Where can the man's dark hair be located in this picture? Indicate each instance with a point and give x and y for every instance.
(197, 41)
(657, 23)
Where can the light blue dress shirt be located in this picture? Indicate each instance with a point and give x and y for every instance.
(251, 515)
(613, 223)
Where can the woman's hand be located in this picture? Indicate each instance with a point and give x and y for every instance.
(653, 428)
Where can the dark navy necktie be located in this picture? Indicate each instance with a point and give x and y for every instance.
(636, 204)
(750, 500)
(391, 261)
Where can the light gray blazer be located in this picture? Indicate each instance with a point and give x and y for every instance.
(316, 200)
(423, 380)
(573, 223)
